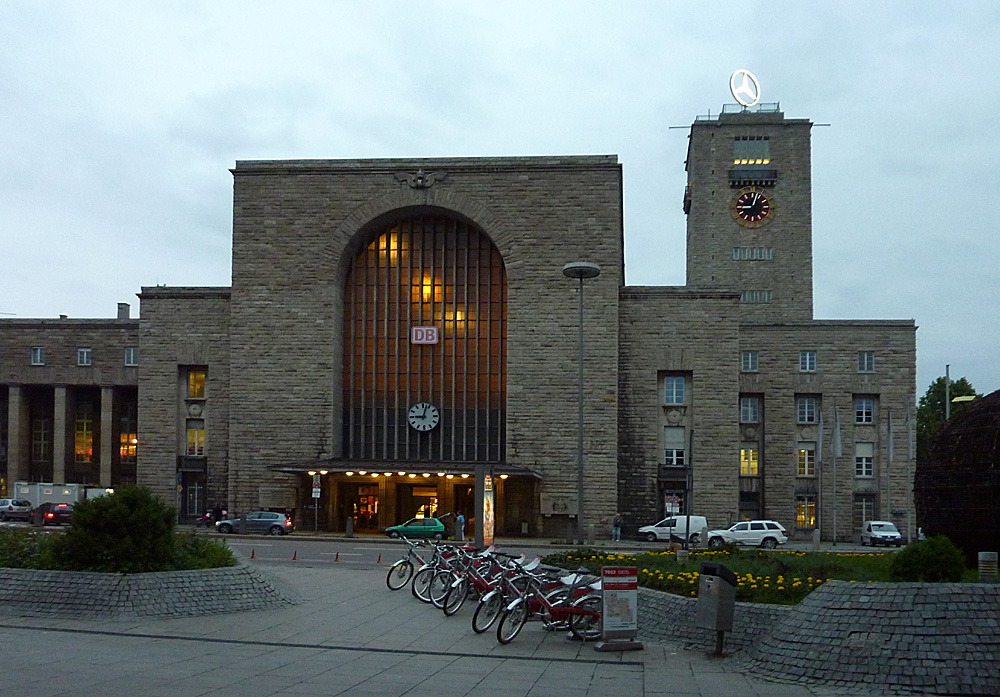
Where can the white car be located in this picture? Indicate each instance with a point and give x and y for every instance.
(673, 529)
(755, 533)
(880, 532)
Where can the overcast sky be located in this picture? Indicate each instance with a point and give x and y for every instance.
(120, 121)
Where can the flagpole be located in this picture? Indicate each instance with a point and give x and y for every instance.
(836, 450)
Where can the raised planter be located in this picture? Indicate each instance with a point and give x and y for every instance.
(30, 592)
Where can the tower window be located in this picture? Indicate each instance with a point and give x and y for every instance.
(751, 150)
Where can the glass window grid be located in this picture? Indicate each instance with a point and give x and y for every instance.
(749, 361)
(866, 361)
(864, 466)
(807, 361)
(84, 356)
(749, 410)
(864, 410)
(673, 390)
(749, 463)
(806, 410)
(807, 460)
(84, 433)
(805, 511)
(196, 437)
(196, 384)
(37, 355)
(131, 356)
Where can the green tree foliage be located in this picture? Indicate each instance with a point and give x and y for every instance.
(935, 559)
(129, 531)
(931, 411)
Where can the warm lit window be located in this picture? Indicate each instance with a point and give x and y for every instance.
(749, 410)
(806, 408)
(805, 511)
(748, 462)
(864, 460)
(749, 361)
(751, 150)
(673, 446)
(864, 410)
(131, 356)
(807, 361)
(673, 390)
(84, 356)
(807, 459)
(37, 355)
(84, 446)
(196, 383)
(196, 436)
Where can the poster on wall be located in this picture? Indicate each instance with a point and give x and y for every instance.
(487, 510)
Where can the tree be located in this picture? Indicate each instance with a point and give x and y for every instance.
(931, 411)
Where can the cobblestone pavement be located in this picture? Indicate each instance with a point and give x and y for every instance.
(350, 636)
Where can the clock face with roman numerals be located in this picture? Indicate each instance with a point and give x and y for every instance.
(752, 207)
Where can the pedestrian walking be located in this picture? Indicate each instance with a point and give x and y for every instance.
(459, 525)
(616, 528)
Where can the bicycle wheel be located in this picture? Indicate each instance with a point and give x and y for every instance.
(438, 589)
(399, 574)
(487, 611)
(512, 620)
(422, 583)
(558, 597)
(456, 596)
(586, 627)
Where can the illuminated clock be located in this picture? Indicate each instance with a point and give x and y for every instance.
(423, 416)
(752, 207)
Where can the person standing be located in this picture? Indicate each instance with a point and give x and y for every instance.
(616, 528)
(459, 525)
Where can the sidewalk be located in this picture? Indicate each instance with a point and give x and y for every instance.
(350, 636)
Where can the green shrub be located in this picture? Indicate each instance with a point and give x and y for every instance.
(201, 552)
(21, 549)
(128, 531)
(935, 559)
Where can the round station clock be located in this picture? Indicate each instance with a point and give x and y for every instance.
(423, 416)
(752, 207)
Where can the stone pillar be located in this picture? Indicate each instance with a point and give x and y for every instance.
(59, 436)
(107, 435)
(18, 444)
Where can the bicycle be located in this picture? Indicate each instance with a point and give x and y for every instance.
(425, 574)
(478, 573)
(401, 571)
(582, 615)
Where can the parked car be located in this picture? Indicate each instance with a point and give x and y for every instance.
(880, 532)
(15, 509)
(53, 513)
(756, 533)
(260, 522)
(675, 529)
(418, 527)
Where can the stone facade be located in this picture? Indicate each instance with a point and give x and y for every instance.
(244, 392)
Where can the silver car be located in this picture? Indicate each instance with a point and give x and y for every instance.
(259, 522)
(15, 509)
(756, 533)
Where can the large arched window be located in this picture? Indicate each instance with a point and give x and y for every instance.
(426, 271)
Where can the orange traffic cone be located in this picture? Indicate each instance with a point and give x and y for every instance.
(295, 555)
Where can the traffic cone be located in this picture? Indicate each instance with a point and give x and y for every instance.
(337, 558)
(295, 555)
(253, 554)
(379, 559)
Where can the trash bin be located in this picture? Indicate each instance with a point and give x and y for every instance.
(716, 600)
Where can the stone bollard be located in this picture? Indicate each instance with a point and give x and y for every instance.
(591, 535)
(349, 528)
(815, 540)
(987, 566)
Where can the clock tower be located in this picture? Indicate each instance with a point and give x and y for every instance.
(749, 210)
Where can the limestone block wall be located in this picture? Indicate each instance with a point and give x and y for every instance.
(297, 225)
(691, 332)
(179, 328)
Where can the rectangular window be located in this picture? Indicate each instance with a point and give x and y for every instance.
(752, 253)
(748, 462)
(751, 150)
(864, 459)
(131, 356)
(864, 410)
(805, 511)
(807, 459)
(866, 361)
(749, 410)
(84, 356)
(673, 390)
(196, 384)
(84, 433)
(41, 441)
(128, 439)
(749, 361)
(756, 296)
(37, 355)
(673, 446)
(807, 361)
(196, 436)
(806, 407)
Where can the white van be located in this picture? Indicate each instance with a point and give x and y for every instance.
(675, 529)
(880, 532)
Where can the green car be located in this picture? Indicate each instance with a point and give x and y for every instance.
(418, 527)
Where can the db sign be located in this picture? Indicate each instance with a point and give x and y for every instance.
(423, 335)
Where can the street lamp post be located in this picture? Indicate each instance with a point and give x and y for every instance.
(580, 270)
